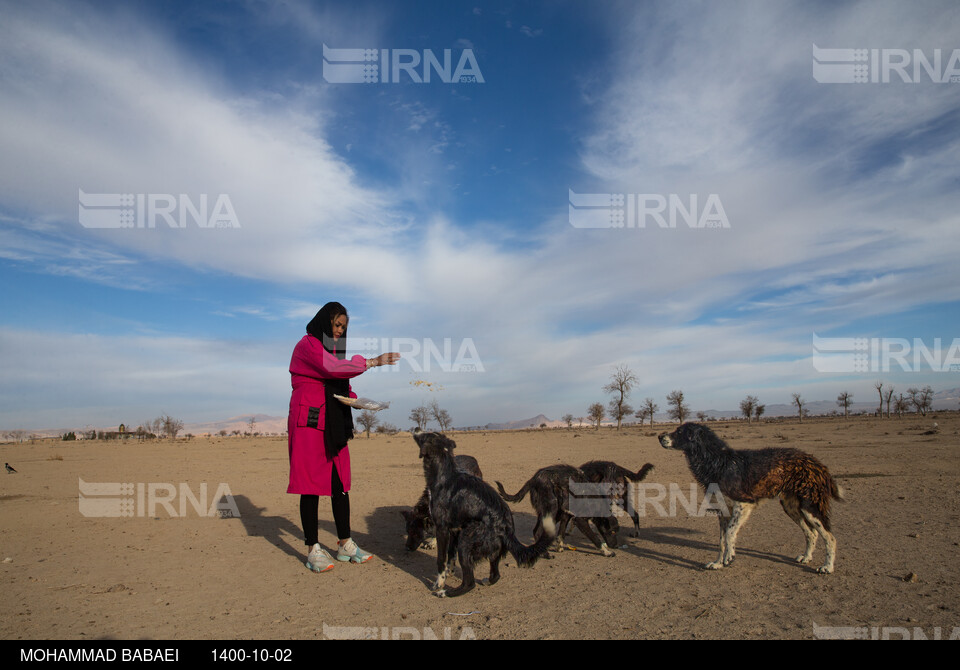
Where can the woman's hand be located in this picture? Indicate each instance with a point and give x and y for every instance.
(383, 359)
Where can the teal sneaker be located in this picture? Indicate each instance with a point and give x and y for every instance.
(319, 560)
(349, 551)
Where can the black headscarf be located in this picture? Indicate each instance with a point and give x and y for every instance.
(321, 327)
(338, 419)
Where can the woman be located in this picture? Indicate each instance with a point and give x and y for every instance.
(319, 426)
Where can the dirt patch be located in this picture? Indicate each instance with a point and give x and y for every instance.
(178, 562)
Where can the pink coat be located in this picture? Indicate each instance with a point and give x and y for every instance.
(310, 470)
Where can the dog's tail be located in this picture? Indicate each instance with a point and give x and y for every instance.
(836, 492)
(525, 555)
(641, 473)
(518, 496)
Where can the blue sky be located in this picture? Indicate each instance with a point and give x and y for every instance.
(439, 213)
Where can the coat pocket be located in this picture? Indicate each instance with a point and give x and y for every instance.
(309, 416)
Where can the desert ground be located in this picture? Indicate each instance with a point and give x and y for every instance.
(149, 561)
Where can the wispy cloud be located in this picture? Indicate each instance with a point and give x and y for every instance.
(141, 120)
(840, 199)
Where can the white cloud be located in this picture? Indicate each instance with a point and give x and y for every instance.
(740, 115)
(717, 102)
(129, 115)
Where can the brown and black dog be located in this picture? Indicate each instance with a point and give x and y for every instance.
(745, 477)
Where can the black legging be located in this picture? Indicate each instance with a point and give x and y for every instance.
(310, 512)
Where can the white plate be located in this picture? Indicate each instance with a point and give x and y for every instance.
(363, 403)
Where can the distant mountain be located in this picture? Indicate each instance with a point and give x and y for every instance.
(948, 399)
(535, 422)
(264, 424)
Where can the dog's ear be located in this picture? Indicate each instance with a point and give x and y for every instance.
(448, 444)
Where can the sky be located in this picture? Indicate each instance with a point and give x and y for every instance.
(459, 204)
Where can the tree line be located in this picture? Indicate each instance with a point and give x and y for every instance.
(623, 380)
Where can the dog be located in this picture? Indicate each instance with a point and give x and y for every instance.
(608, 472)
(472, 522)
(420, 531)
(746, 477)
(549, 490)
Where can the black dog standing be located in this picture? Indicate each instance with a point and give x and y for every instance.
(471, 520)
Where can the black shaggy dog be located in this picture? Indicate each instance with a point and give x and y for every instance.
(746, 477)
(608, 472)
(420, 532)
(550, 495)
(472, 521)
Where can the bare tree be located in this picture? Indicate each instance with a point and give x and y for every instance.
(912, 396)
(901, 405)
(923, 400)
(420, 416)
(619, 410)
(758, 411)
(368, 420)
(171, 426)
(678, 410)
(441, 416)
(568, 419)
(888, 396)
(596, 413)
(444, 420)
(252, 425)
(844, 400)
(649, 408)
(879, 386)
(799, 402)
(747, 405)
(621, 382)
